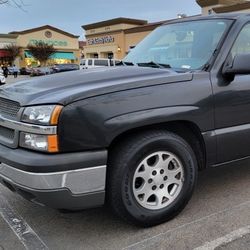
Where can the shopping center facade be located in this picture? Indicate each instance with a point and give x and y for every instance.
(112, 38)
(223, 6)
(66, 45)
(116, 37)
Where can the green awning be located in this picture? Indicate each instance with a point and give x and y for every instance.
(27, 54)
(63, 55)
(57, 55)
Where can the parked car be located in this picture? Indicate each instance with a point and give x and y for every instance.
(57, 68)
(2, 78)
(25, 71)
(11, 70)
(41, 71)
(97, 62)
(133, 136)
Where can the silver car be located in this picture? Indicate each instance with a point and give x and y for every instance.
(2, 78)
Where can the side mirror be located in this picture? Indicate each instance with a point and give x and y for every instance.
(239, 66)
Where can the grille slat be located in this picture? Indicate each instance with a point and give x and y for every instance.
(9, 107)
(7, 133)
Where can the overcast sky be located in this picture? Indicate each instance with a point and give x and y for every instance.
(69, 15)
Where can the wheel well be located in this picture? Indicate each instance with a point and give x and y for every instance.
(185, 129)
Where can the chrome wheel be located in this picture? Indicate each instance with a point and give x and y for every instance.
(158, 180)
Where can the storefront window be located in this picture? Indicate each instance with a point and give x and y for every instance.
(31, 62)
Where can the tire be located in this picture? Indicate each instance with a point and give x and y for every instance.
(140, 155)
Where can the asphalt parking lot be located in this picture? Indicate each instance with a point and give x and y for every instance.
(217, 217)
(11, 79)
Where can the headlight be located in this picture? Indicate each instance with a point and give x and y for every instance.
(42, 115)
(46, 115)
(46, 143)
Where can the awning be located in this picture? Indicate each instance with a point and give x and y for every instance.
(63, 55)
(27, 54)
(4, 53)
(57, 55)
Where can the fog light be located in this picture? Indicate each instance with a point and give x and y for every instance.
(39, 142)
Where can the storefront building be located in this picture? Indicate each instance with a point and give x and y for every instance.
(116, 37)
(66, 45)
(223, 6)
(6, 39)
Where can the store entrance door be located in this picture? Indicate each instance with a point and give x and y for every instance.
(110, 55)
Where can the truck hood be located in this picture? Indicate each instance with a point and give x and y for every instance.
(65, 88)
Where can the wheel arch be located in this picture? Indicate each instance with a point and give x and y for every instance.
(188, 130)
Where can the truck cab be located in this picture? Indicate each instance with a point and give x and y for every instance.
(133, 136)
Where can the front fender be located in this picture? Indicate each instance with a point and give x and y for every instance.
(142, 118)
(94, 122)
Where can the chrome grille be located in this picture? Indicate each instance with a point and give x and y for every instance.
(9, 107)
(7, 134)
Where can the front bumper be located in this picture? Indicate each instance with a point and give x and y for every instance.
(76, 189)
(78, 183)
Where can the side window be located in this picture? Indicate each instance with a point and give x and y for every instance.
(90, 62)
(101, 62)
(242, 43)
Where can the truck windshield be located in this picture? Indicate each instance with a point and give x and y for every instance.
(186, 45)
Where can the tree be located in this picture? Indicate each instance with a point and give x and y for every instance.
(41, 51)
(14, 3)
(13, 51)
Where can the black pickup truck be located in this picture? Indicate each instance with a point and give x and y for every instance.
(133, 136)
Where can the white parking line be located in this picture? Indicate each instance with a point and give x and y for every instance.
(20, 227)
(137, 244)
(225, 239)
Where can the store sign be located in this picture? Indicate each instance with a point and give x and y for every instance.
(3, 45)
(50, 42)
(101, 40)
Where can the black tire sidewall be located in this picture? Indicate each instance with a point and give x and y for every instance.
(161, 143)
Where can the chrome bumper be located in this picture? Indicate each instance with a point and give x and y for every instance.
(73, 190)
(80, 181)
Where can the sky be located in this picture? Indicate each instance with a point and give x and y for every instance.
(70, 15)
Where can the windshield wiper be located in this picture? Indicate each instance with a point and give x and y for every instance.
(154, 65)
(123, 63)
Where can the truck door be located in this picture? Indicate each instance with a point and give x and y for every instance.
(232, 108)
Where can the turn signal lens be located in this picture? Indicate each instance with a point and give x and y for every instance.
(55, 115)
(53, 144)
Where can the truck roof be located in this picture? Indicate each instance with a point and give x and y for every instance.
(231, 15)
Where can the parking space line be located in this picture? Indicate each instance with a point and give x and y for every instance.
(225, 239)
(247, 203)
(20, 227)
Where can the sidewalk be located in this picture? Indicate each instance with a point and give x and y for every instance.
(11, 79)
